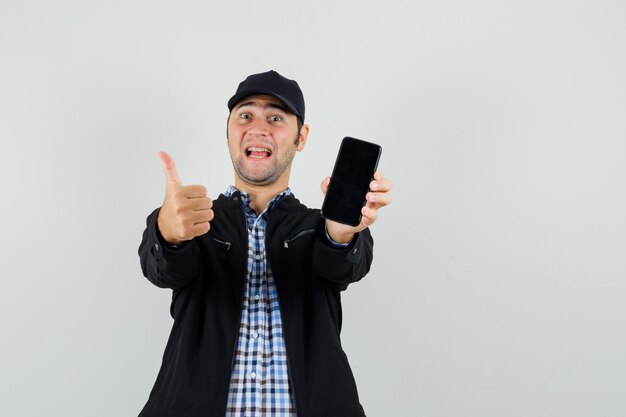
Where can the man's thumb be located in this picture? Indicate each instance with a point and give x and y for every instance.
(324, 184)
(169, 168)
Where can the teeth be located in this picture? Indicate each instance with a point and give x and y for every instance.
(255, 149)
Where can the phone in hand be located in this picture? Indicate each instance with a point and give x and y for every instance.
(354, 169)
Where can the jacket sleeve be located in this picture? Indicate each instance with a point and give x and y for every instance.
(342, 266)
(163, 265)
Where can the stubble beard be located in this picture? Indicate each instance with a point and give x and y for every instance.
(271, 175)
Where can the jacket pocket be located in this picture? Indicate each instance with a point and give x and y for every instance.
(289, 242)
(222, 244)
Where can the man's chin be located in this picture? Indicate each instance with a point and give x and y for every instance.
(258, 176)
(257, 179)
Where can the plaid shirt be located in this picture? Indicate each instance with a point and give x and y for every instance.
(259, 385)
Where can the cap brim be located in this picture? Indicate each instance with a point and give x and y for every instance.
(243, 94)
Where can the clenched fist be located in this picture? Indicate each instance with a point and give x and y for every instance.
(186, 211)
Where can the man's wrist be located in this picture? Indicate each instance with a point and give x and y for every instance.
(338, 240)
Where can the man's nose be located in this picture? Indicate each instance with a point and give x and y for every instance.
(258, 127)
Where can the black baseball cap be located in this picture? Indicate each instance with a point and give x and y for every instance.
(271, 83)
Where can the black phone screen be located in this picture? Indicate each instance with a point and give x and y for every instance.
(349, 183)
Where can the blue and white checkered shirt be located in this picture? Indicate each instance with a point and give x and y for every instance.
(259, 384)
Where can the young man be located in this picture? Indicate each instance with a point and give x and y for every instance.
(256, 276)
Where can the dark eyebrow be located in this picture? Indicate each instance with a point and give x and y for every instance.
(279, 107)
(270, 105)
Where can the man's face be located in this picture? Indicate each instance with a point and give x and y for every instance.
(263, 138)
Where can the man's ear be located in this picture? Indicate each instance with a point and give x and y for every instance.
(304, 133)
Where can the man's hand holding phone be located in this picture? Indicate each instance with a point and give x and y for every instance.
(186, 211)
(378, 196)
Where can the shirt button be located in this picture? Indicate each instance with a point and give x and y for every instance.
(156, 246)
(255, 335)
(253, 375)
(258, 257)
(257, 297)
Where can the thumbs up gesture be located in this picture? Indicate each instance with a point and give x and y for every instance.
(186, 211)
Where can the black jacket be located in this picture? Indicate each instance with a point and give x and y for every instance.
(207, 276)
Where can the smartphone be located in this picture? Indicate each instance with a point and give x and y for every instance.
(354, 169)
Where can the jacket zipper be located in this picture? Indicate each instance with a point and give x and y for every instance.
(299, 235)
(280, 306)
(221, 242)
(243, 294)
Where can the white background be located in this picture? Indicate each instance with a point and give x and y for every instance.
(498, 284)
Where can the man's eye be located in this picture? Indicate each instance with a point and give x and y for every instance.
(245, 116)
(276, 118)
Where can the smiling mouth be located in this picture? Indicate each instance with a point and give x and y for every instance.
(256, 152)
